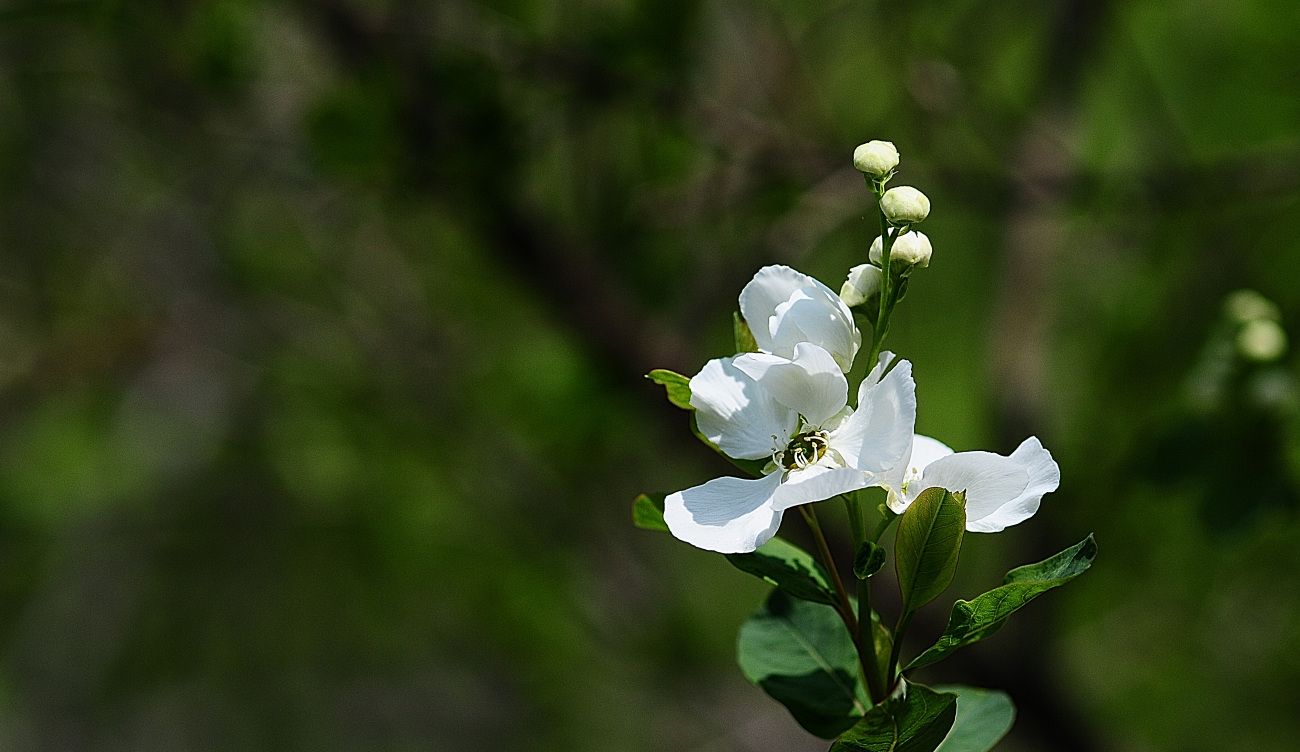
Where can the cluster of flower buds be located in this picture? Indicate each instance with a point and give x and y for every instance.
(901, 207)
(1260, 336)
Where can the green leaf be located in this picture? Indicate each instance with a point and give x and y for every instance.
(800, 654)
(984, 716)
(790, 568)
(752, 467)
(972, 621)
(648, 512)
(869, 559)
(928, 542)
(744, 337)
(677, 386)
(916, 722)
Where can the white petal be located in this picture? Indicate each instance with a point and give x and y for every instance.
(877, 371)
(811, 384)
(817, 315)
(818, 482)
(770, 287)
(876, 438)
(727, 515)
(926, 450)
(1000, 491)
(784, 307)
(737, 414)
(1044, 477)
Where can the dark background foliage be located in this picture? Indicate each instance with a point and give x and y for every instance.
(322, 328)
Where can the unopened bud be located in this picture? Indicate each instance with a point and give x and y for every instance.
(1261, 340)
(911, 248)
(1245, 306)
(876, 158)
(904, 205)
(862, 285)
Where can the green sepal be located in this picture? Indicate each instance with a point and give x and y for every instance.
(785, 565)
(927, 545)
(752, 467)
(972, 621)
(915, 722)
(648, 512)
(745, 341)
(984, 716)
(869, 559)
(800, 654)
(677, 386)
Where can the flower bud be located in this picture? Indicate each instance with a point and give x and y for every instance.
(904, 205)
(910, 248)
(1244, 306)
(876, 158)
(1261, 340)
(862, 285)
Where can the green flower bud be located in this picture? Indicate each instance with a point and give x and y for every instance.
(862, 285)
(910, 248)
(1244, 306)
(904, 205)
(876, 158)
(1261, 340)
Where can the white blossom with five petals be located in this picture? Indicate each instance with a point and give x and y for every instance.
(793, 411)
(1000, 491)
(784, 308)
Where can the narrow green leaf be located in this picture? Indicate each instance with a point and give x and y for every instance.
(800, 654)
(984, 716)
(869, 559)
(677, 386)
(648, 512)
(916, 722)
(928, 542)
(972, 621)
(789, 567)
(744, 337)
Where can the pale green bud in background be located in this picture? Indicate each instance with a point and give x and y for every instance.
(904, 205)
(1261, 340)
(1244, 306)
(911, 248)
(876, 158)
(862, 285)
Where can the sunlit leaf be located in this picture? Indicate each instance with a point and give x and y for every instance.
(927, 545)
(971, 621)
(744, 337)
(648, 512)
(676, 385)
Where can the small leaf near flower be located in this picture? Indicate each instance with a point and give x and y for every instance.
(648, 512)
(677, 386)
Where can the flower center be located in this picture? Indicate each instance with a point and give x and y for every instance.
(802, 451)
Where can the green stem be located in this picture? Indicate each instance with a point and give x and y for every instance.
(887, 289)
(824, 551)
(857, 525)
(904, 620)
(866, 643)
(886, 520)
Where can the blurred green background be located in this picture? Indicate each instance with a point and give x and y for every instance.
(323, 326)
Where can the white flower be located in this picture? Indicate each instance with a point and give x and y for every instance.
(757, 406)
(862, 285)
(911, 248)
(1000, 491)
(904, 205)
(877, 158)
(784, 307)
